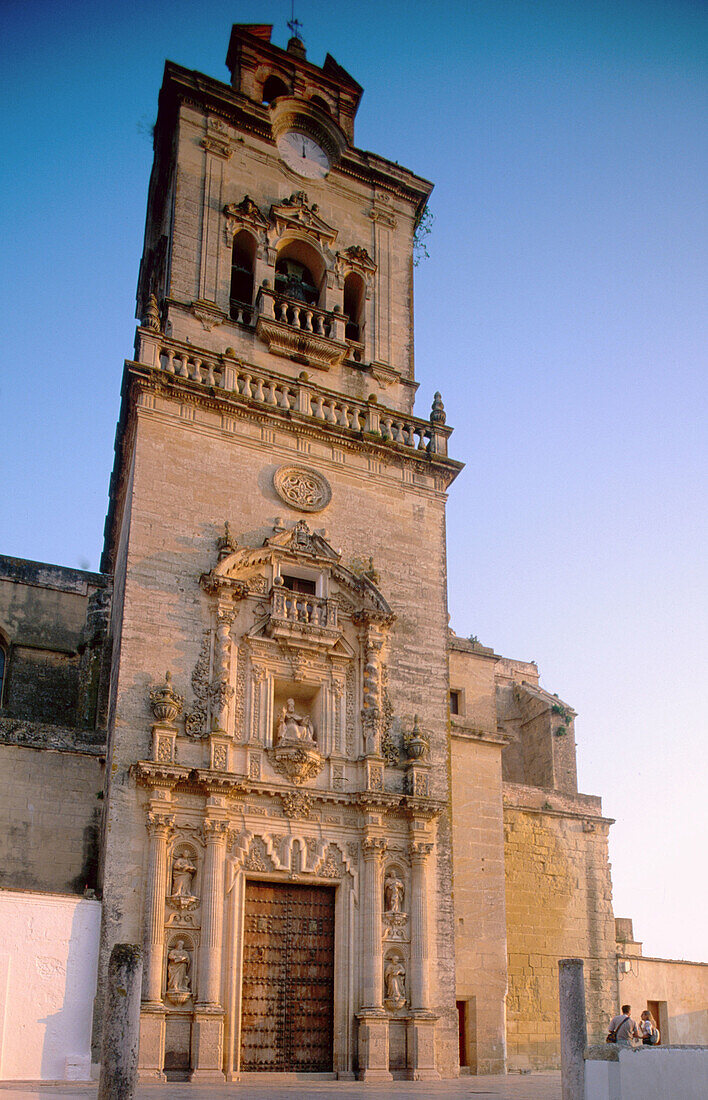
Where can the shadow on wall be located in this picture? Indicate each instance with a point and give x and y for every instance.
(66, 1050)
(52, 944)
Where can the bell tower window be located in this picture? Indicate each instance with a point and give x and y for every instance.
(299, 271)
(273, 87)
(354, 306)
(242, 261)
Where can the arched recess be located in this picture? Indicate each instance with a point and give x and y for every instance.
(299, 271)
(273, 87)
(318, 101)
(354, 298)
(243, 256)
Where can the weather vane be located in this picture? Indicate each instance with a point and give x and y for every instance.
(294, 25)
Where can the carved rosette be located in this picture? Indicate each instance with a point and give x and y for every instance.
(302, 488)
(296, 803)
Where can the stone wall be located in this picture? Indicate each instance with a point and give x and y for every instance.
(49, 818)
(558, 905)
(680, 988)
(480, 923)
(53, 630)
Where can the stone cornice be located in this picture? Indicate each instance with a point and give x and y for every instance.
(462, 732)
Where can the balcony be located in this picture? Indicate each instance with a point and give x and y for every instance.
(300, 331)
(296, 617)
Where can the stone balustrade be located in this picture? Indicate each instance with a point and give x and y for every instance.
(299, 608)
(290, 395)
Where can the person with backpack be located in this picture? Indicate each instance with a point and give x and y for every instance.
(648, 1029)
(623, 1028)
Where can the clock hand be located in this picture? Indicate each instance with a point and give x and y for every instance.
(304, 154)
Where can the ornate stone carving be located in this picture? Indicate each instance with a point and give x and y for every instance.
(184, 869)
(395, 982)
(395, 926)
(394, 893)
(243, 213)
(297, 762)
(195, 722)
(157, 822)
(152, 315)
(219, 757)
(226, 544)
(437, 415)
(297, 213)
(296, 803)
(216, 140)
(179, 961)
(302, 488)
(293, 726)
(416, 743)
(165, 703)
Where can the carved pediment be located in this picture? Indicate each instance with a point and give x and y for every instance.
(296, 213)
(244, 214)
(355, 258)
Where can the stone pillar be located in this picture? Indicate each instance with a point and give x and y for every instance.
(121, 1024)
(159, 826)
(573, 1028)
(373, 1020)
(152, 1014)
(421, 1024)
(208, 1033)
(419, 852)
(222, 668)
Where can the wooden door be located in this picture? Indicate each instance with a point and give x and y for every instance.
(288, 978)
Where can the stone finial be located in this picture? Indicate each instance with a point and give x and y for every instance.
(416, 743)
(151, 319)
(437, 416)
(165, 703)
(226, 543)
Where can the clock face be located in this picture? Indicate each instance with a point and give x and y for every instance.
(301, 153)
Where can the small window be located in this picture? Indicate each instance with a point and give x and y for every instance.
(454, 702)
(274, 87)
(299, 584)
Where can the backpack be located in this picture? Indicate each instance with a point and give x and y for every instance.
(654, 1037)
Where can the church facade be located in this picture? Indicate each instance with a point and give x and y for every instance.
(349, 841)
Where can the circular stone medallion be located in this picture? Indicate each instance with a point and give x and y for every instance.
(301, 488)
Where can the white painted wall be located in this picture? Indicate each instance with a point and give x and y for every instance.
(48, 961)
(649, 1073)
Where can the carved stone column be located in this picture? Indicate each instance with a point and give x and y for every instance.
(152, 1014)
(373, 1020)
(208, 1034)
(222, 668)
(421, 1025)
(159, 826)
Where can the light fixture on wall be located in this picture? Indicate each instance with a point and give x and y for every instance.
(625, 966)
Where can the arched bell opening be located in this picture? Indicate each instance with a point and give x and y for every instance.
(299, 272)
(354, 298)
(273, 87)
(243, 257)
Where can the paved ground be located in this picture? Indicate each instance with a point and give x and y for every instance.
(536, 1086)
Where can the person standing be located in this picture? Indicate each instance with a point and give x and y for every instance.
(623, 1027)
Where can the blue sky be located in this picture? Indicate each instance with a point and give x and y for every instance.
(561, 313)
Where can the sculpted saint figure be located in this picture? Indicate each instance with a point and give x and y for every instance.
(183, 871)
(293, 726)
(394, 892)
(178, 961)
(395, 982)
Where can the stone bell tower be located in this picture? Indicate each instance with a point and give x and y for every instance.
(276, 823)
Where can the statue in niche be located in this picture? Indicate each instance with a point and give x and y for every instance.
(183, 871)
(395, 982)
(178, 985)
(293, 726)
(394, 893)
